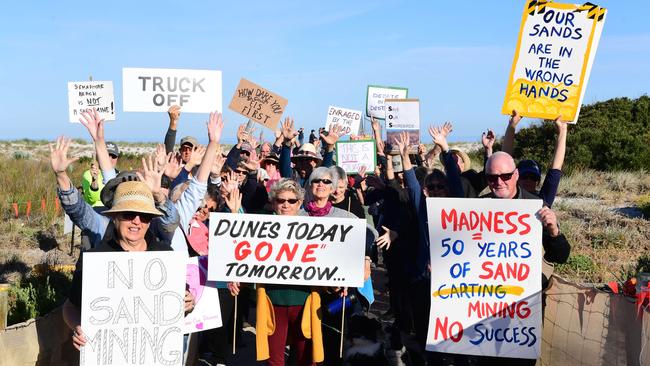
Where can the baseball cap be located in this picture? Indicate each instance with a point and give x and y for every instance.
(529, 166)
(189, 140)
(112, 149)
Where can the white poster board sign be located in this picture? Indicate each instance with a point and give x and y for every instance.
(403, 115)
(376, 95)
(556, 47)
(293, 250)
(132, 308)
(67, 224)
(207, 310)
(351, 155)
(155, 90)
(348, 119)
(486, 276)
(85, 95)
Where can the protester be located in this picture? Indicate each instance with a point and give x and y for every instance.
(92, 184)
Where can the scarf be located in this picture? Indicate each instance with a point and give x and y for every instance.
(312, 210)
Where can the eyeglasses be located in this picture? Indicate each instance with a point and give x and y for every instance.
(130, 216)
(186, 147)
(239, 171)
(113, 156)
(493, 178)
(324, 181)
(433, 187)
(244, 152)
(292, 201)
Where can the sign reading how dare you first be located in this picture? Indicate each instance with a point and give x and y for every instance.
(132, 308)
(486, 277)
(155, 90)
(295, 250)
(557, 45)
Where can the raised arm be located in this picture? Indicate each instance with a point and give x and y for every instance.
(95, 126)
(288, 132)
(560, 144)
(439, 136)
(509, 138)
(330, 140)
(174, 113)
(215, 127)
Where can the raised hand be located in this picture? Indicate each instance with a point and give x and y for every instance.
(151, 174)
(233, 201)
(333, 135)
(439, 137)
(487, 139)
(402, 142)
(560, 124)
(215, 127)
(362, 171)
(174, 113)
(173, 167)
(197, 156)
(288, 130)
(446, 128)
(217, 164)
(161, 157)
(380, 147)
(549, 221)
(242, 134)
(374, 124)
(515, 117)
(93, 123)
(59, 155)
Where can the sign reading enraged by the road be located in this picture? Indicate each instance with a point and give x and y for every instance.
(486, 276)
(557, 44)
(352, 155)
(86, 95)
(375, 99)
(132, 308)
(155, 90)
(348, 119)
(258, 104)
(293, 250)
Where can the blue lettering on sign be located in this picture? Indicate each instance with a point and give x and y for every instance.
(524, 336)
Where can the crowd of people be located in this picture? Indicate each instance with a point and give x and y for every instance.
(165, 205)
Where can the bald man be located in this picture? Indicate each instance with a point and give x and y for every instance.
(502, 178)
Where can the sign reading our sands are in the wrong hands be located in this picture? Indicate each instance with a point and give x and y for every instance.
(155, 90)
(293, 250)
(486, 274)
(258, 104)
(132, 308)
(553, 60)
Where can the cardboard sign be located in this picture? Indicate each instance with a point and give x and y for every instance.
(486, 276)
(292, 250)
(155, 90)
(85, 95)
(403, 115)
(351, 155)
(207, 311)
(260, 105)
(348, 119)
(377, 94)
(556, 47)
(132, 308)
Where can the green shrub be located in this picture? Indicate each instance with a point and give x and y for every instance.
(609, 135)
(644, 204)
(37, 295)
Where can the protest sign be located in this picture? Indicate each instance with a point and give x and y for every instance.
(67, 224)
(293, 250)
(348, 119)
(207, 310)
(351, 155)
(132, 308)
(376, 95)
(85, 95)
(486, 275)
(403, 115)
(556, 47)
(155, 90)
(260, 105)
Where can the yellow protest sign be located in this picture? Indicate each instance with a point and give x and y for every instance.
(555, 51)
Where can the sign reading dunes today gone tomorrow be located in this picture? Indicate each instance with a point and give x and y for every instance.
(295, 250)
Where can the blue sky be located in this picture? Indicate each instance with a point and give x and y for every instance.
(455, 59)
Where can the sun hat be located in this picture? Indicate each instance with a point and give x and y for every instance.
(133, 196)
(463, 155)
(307, 150)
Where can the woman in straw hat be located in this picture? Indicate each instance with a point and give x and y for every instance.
(131, 214)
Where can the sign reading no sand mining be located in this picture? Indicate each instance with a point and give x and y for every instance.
(553, 59)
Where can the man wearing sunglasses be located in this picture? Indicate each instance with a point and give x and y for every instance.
(502, 177)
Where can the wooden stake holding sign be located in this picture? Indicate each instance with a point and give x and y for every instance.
(259, 104)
